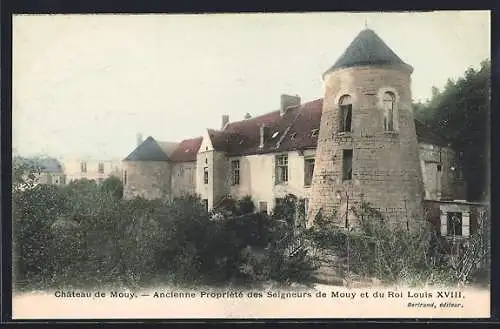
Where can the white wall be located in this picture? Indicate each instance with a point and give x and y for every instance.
(257, 178)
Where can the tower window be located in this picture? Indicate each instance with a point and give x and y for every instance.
(347, 165)
(389, 100)
(124, 177)
(205, 175)
(345, 112)
(235, 168)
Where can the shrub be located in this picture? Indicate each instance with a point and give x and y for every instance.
(246, 205)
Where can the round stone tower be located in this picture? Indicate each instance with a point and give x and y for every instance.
(367, 145)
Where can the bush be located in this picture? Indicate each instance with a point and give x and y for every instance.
(84, 235)
(393, 253)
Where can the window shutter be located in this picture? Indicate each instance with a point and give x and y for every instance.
(465, 224)
(444, 223)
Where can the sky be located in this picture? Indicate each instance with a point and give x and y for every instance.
(84, 86)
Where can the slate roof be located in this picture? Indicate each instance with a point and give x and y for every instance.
(367, 49)
(46, 164)
(149, 150)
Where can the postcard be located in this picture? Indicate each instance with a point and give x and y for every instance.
(258, 165)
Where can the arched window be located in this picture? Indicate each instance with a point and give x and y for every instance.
(389, 103)
(345, 113)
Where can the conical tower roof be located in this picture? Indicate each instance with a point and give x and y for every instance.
(367, 49)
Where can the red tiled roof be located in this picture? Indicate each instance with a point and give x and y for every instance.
(187, 150)
(297, 129)
(243, 137)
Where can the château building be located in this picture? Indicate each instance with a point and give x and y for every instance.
(360, 142)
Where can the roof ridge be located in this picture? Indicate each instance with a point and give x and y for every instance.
(267, 113)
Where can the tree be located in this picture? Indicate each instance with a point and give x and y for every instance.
(461, 113)
(114, 186)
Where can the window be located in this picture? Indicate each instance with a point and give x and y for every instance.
(56, 180)
(124, 177)
(347, 165)
(389, 101)
(83, 167)
(235, 169)
(205, 175)
(100, 168)
(263, 207)
(308, 171)
(439, 167)
(454, 221)
(205, 204)
(345, 106)
(282, 168)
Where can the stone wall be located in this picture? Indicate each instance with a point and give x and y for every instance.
(183, 178)
(441, 176)
(386, 166)
(147, 179)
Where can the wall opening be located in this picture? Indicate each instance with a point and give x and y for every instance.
(345, 112)
(263, 207)
(235, 169)
(308, 171)
(347, 165)
(282, 169)
(205, 175)
(389, 102)
(454, 221)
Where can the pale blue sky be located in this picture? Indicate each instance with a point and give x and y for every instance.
(85, 85)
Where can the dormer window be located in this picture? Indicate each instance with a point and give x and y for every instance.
(345, 113)
(389, 101)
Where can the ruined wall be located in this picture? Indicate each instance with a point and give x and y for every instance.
(440, 173)
(386, 166)
(147, 179)
(183, 178)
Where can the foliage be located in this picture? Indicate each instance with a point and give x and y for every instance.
(461, 113)
(82, 234)
(395, 254)
(246, 205)
(113, 185)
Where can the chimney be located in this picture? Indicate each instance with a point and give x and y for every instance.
(139, 139)
(225, 121)
(288, 101)
(247, 116)
(262, 134)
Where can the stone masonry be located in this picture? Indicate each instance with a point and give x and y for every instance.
(385, 167)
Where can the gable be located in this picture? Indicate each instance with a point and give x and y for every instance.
(206, 143)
